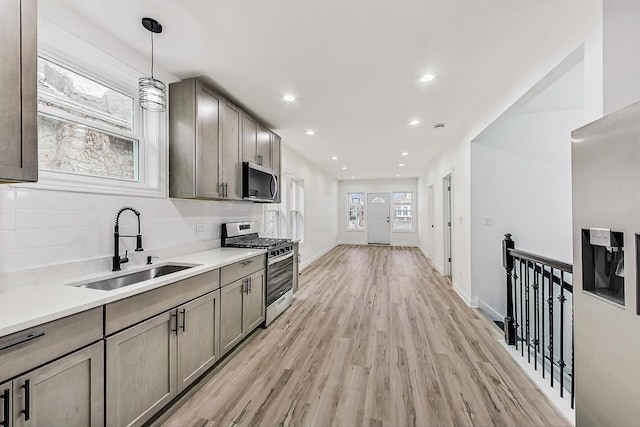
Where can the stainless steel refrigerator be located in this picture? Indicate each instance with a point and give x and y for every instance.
(606, 220)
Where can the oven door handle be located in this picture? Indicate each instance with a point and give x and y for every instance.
(280, 258)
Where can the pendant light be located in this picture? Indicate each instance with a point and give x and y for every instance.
(152, 92)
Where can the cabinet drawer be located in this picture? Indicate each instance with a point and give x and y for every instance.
(236, 271)
(124, 313)
(46, 342)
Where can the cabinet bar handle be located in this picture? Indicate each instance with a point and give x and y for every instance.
(247, 262)
(250, 283)
(245, 286)
(27, 400)
(175, 315)
(184, 320)
(6, 410)
(22, 340)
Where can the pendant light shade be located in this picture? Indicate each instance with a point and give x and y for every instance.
(152, 92)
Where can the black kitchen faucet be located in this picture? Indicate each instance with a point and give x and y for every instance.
(116, 239)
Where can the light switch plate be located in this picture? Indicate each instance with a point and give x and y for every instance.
(199, 229)
(486, 220)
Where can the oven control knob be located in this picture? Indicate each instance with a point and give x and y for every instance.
(273, 253)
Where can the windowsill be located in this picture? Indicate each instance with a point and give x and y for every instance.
(78, 186)
(404, 231)
(351, 230)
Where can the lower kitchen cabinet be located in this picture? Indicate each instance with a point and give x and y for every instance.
(150, 363)
(242, 309)
(231, 314)
(141, 370)
(254, 306)
(198, 340)
(66, 392)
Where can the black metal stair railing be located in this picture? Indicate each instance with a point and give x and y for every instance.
(539, 298)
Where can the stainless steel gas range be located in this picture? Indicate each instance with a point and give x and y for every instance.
(280, 253)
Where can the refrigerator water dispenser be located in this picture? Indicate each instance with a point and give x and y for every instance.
(603, 263)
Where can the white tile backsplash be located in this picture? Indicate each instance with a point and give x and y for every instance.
(26, 220)
(40, 228)
(7, 199)
(38, 200)
(7, 220)
(7, 240)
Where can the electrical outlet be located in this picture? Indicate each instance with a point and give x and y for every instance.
(486, 220)
(199, 229)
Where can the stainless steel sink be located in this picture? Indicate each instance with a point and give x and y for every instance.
(133, 278)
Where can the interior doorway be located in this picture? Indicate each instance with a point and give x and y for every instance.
(378, 218)
(431, 222)
(447, 189)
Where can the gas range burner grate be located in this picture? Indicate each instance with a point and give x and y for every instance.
(262, 242)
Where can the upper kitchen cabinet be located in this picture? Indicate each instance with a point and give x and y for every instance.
(259, 144)
(230, 170)
(275, 160)
(194, 141)
(264, 146)
(249, 139)
(18, 107)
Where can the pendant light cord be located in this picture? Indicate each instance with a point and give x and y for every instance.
(151, 54)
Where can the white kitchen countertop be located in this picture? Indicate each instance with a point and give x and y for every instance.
(25, 307)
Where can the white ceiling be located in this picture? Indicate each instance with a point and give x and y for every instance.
(354, 65)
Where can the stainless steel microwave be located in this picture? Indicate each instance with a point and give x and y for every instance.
(259, 183)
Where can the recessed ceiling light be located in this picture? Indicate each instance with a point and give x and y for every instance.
(414, 122)
(404, 153)
(289, 98)
(427, 78)
(334, 158)
(397, 175)
(309, 132)
(401, 164)
(344, 168)
(353, 177)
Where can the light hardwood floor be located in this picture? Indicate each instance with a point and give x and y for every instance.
(375, 337)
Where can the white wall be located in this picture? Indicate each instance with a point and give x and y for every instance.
(455, 161)
(621, 55)
(520, 181)
(359, 237)
(321, 211)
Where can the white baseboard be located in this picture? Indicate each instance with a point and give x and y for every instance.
(471, 302)
(308, 262)
(424, 252)
(489, 311)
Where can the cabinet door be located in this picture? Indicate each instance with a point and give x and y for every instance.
(5, 405)
(230, 153)
(264, 146)
(254, 306)
(67, 392)
(231, 315)
(18, 120)
(207, 143)
(275, 153)
(275, 162)
(198, 337)
(249, 139)
(141, 370)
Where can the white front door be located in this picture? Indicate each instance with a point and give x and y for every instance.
(378, 218)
